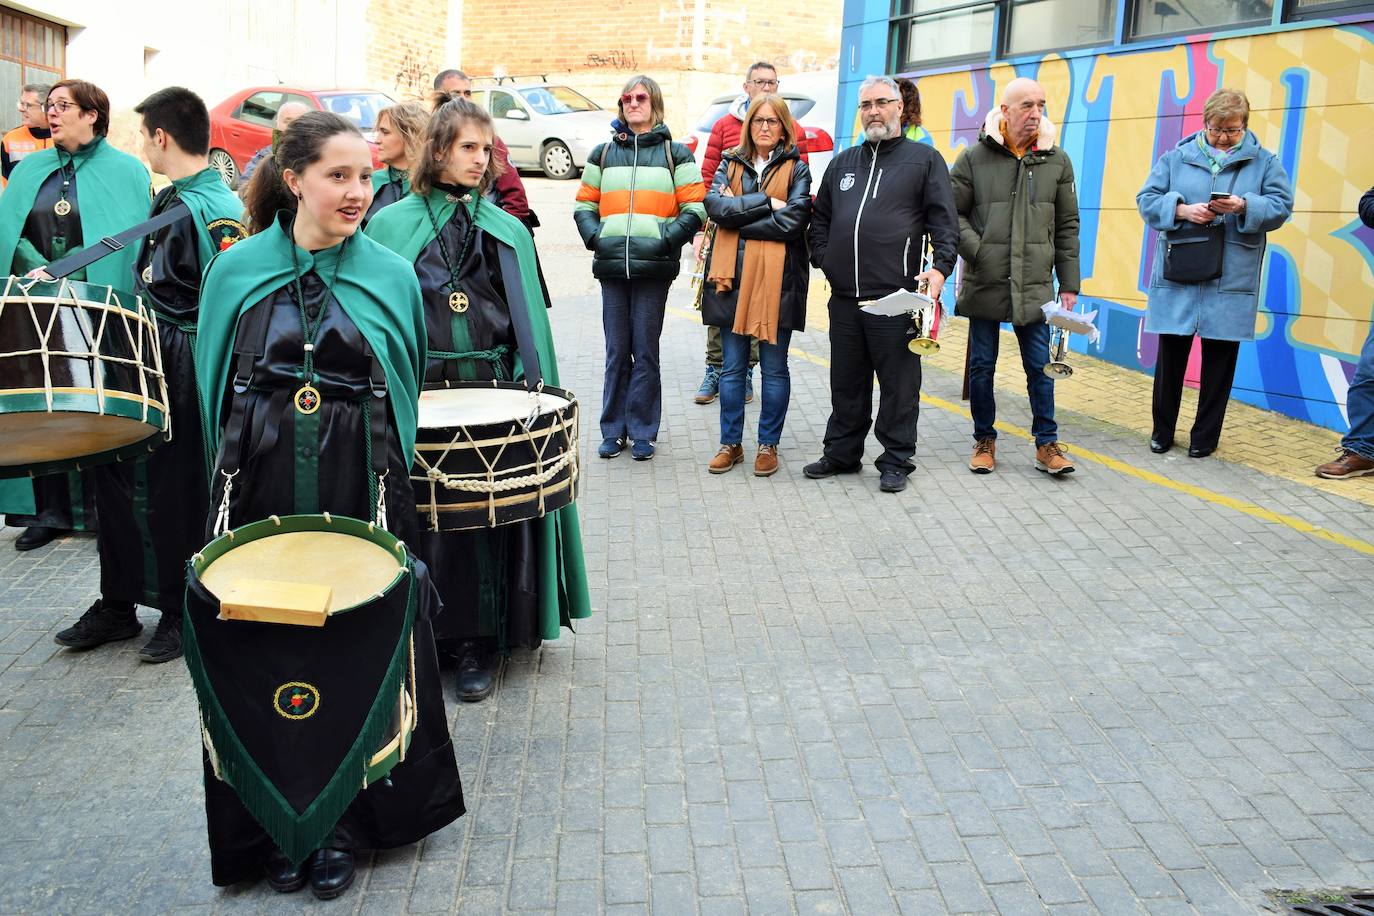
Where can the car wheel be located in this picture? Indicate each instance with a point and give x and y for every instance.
(557, 161)
(223, 163)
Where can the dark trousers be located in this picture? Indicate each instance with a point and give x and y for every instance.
(632, 396)
(1218, 371)
(860, 345)
(984, 337)
(64, 501)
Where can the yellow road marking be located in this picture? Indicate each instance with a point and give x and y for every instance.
(1122, 467)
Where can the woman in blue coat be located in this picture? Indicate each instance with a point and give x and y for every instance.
(1254, 198)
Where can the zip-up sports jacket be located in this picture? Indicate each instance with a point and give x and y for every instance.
(876, 204)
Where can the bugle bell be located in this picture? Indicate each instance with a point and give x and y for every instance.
(1059, 345)
(703, 262)
(927, 318)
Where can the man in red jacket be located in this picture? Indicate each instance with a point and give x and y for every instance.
(761, 78)
(509, 189)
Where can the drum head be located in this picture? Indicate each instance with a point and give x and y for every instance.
(477, 406)
(354, 569)
(39, 438)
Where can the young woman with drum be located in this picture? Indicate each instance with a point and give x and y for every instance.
(400, 134)
(44, 218)
(509, 584)
(310, 348)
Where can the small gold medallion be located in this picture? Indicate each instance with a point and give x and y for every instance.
(458, 302)
(62, 207)
(148, 274)
(307, 399)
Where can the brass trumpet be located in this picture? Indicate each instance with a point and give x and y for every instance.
(1059, 344)
(702, 262)
(927, 318)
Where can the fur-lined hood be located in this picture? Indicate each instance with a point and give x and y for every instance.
(1045, 140)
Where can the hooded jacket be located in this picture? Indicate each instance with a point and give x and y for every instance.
(639, 203)
(876, 204)
(1018, 225)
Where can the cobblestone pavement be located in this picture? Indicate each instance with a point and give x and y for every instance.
(1139, 689)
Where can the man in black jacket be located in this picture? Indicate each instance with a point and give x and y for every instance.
(878, 203)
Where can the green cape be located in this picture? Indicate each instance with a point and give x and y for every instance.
(113, 193)
(382, 177)
(210, 201)
(405, 228)
(374, 287)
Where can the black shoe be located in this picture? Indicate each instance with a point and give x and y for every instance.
(331, 872)
(99, 625)
(284, 877)
(36, 536)
(819, 470)
(476, 672)
(1160, 446)
(892, 482)
(1196, 452)
(166, 642)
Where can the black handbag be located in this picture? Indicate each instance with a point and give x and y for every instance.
(1193, 253)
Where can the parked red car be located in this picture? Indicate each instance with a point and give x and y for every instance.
(242, 124)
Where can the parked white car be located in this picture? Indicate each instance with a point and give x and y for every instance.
(545, 126)
(811, 99)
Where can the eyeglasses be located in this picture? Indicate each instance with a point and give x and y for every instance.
(765, 84)
(29, 106)
(769, 123)
(1226, 131)
(62, 105)
(871, 104)
(637, 98)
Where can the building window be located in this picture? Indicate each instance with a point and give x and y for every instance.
(924, 31)
(1173, 17)
(31, 51)
(1298, 10)
(1044, 25)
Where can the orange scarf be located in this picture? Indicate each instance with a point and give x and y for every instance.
(760, 289)
(1018, 151)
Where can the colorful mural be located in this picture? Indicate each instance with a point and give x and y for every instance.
(1311, 91)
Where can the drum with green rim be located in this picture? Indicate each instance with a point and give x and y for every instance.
(81, 379)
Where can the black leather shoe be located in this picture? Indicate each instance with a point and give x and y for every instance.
(37, 536)
(284, 877)
(1160, 447)
(819, 470)
(100, 624)
(331, 872)
(476, 672)
(1195, 452)
(892, 482)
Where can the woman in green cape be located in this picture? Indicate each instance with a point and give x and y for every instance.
(400, 134)
(307, 317)
(513, 585)
(42, 219)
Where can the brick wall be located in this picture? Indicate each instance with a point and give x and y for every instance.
(406, 45)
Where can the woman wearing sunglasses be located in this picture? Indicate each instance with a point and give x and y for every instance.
(639, 203)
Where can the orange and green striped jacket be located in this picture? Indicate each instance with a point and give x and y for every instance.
(639, 203)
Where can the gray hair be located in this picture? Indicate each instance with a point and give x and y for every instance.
(449, 74)
(887, 81)
(41, 88)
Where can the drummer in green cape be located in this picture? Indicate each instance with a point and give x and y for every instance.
(299, 326)
(146, 534)
(42, 219)
(400, 134)
(513, 585)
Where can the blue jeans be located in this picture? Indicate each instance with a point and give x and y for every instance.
(1034, 339)
(1359, 404)
(632, 397)
(776, 384)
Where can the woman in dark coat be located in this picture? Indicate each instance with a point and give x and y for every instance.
(756, 282)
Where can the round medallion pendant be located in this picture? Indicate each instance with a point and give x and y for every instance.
(307, 399)
(458, 302)
(147, 274)
(62, 207)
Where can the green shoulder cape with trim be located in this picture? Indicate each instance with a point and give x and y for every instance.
(376, 289)
(406, 229)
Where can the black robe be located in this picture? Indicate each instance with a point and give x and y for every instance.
(423, 793)
(60, 500)
(488, 578)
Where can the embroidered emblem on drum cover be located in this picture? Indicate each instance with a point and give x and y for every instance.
(225, 232)
(296, 700)
(847, 181)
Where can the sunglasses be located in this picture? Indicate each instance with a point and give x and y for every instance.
(639, 98)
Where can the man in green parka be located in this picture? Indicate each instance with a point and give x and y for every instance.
(1018, 232)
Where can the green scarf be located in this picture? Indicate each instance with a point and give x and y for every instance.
(113, 194)
(211, 202)
(406, 229)
(374, 287)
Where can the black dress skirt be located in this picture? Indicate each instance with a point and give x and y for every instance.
(488, 578)
(291, 463)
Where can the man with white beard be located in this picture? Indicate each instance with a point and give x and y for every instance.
(877, 204)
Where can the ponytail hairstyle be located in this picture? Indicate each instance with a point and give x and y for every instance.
(452, 113)
(299, 147)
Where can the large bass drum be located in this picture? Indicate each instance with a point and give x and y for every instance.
(81, 379)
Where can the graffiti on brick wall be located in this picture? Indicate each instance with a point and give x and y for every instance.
(1317, 289)
(617, 59)
(415, 76)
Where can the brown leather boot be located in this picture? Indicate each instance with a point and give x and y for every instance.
(1348, 465)
(1051, 459)
(726, 458)
(984, 456)
(766, 462)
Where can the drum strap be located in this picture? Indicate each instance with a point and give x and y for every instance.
(520, 317)
(110, 244)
